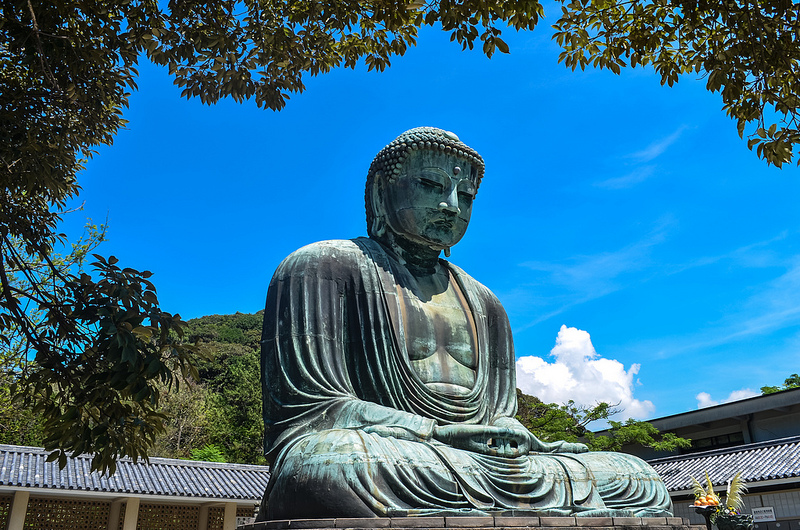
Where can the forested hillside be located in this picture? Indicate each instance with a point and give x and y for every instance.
(222, 412)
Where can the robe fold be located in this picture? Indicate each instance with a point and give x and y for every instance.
(349, 423)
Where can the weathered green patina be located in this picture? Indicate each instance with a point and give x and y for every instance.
(388, 373)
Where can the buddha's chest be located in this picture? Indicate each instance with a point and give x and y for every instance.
(440, 337)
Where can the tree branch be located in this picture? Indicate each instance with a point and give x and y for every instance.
(45, 66)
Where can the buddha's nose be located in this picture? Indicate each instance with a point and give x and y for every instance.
(450, 204)
(449, 208)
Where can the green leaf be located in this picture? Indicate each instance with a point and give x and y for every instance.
(501, 45)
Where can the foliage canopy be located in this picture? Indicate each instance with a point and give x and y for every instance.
(748, 51)
(215, 417)
(65, 67)
(552, 422)
(793, 381)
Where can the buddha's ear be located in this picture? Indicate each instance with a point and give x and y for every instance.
(378, 227)
(378, 192)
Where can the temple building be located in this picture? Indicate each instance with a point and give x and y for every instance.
(759, 436)
(164, 494)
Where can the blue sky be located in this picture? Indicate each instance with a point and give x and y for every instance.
(628, 211)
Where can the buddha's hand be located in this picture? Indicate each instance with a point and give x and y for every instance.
(485, 439)
(388, 431)
(538, 446)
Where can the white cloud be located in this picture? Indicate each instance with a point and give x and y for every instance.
(631, 179)
(580, 374)
(638, 159)
(744, 393)
(658, 147)
(704, 398)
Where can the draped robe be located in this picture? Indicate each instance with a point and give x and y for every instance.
(349, 423)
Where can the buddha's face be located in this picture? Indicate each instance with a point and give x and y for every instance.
(430, 202)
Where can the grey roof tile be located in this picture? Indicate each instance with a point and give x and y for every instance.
(27, 467)
(758, 462)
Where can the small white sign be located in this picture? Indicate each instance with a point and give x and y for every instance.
(763, 515)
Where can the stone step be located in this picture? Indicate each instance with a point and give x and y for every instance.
(497, 521)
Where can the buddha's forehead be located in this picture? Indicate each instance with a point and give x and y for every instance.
(429, 159)
(390, 160)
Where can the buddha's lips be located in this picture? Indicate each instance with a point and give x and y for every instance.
(444, 222)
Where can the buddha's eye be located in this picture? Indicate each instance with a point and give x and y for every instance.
(431, 183)
(466, 192)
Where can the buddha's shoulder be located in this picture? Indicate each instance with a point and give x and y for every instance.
(336, 253)
(330, 249)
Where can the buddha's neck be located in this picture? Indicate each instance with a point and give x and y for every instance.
(419, 259)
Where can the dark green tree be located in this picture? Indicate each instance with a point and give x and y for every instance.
(635, 432)
(239, 328)
(232, 377)
(221, 409)
(208, 453)
(793, 381)
(551, 422)
(95, 380)
(236, 423)
(747, 51)
(186, 423)
(84, 355)
(18, 424)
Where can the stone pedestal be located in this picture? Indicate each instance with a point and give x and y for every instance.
(510, 522)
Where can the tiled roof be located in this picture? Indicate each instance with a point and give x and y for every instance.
(758, 462)
(26, 467)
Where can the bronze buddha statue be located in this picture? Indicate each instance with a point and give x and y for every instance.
(389, 373)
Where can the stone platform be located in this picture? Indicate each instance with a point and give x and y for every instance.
(465, 522)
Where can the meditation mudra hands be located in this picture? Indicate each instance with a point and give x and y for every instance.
(485, 439)
(509, 442)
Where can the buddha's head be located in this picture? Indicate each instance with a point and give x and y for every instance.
(420, 188)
